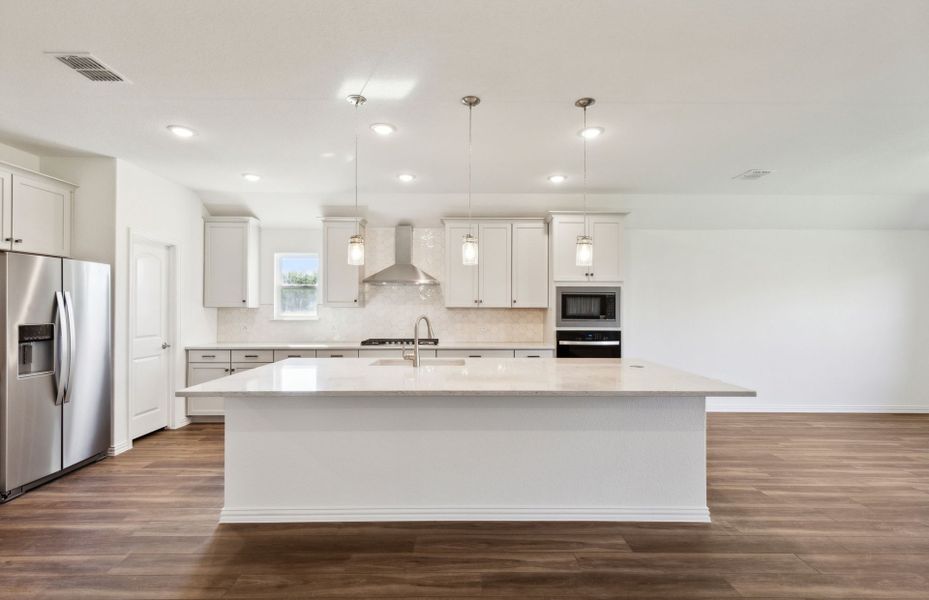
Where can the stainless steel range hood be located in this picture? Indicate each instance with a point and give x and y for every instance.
(403, 272)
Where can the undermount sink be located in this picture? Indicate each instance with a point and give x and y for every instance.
(423, 362)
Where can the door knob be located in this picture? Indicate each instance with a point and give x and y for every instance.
(165, 345)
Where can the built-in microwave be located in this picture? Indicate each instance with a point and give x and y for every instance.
(587, 307)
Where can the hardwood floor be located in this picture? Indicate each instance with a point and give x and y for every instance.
(804, 506)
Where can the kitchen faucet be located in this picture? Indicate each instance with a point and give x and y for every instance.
(414, 355)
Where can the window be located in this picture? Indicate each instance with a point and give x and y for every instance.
(296, 277)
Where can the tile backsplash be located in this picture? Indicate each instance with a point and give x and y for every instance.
(389, 311)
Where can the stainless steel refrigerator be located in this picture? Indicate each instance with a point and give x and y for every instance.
(56, 377)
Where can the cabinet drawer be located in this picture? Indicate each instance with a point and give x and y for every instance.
(285, 354)
(474, 353)
(208, 356)
(336, 354)
(394, 353)
(258, 356)
(535, 353)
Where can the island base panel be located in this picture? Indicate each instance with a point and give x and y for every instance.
(485, 458)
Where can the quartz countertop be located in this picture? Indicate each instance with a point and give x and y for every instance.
(353, 377)
(357, 345)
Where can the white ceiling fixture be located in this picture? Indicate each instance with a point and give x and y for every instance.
(356, 243)
(589, 133)
(753, 174)
(89, 66)
(584, 250)
(383, 128)
(181, 131)
(406, 177)
(469, 248)
(251, 177)
(557, 178)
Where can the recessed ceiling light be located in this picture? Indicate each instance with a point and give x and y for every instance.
(557, 178)
(327, 154)
(181, 131)
(590, 132)
(406, 177)
(251, 177)
(383, 128)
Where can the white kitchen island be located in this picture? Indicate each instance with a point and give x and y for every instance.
(465, 439)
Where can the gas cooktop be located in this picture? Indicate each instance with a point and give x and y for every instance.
(399, 342)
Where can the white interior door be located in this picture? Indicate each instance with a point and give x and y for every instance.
(149, 294)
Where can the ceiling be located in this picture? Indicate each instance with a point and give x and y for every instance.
(831, 95)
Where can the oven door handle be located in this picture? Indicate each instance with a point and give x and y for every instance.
(578, 343)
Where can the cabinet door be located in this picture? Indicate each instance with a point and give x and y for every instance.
(460, 285)
(494, 290)
(225, 271)
(477, 353)
(201, 373)
(41, 216)
(6, 210)
(337, 354)
(606, 231)
(530, 265)
(565, 229)
(340, 279)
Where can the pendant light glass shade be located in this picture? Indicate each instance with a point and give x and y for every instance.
(584, 252)
(356, 250)
(468, 250)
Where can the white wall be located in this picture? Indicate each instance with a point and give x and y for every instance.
(20, 158)
(94, 214)
(813, 320)
(157, 208)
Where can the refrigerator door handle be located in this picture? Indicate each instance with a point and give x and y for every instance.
(69, 305)
(61, 365)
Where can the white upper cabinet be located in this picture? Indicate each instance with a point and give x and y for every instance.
(36, 212)
(341, 281)
(512, 269)
(230, 269)
(606, 230)
(461, 281)
(530, 264)
(494, 264)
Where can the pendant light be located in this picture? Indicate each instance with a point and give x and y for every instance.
(469, 248)
(584, 250)
(356, 243)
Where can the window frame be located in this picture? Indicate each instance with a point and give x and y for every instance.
(278, 285)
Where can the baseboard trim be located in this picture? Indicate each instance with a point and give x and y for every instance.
(119, 448)
(424, 513)
(715, 405)
(206, 418)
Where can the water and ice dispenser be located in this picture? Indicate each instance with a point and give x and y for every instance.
(36, 349)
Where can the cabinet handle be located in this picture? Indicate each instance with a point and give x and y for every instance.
(474, 356)
(207, 356)
(243, 300)
(226, 370)
(232, 370)
(480, 302)
(355, 300)
(251, 356)
(336, 356)
(7, 239)
(18, 241)
(514, 301)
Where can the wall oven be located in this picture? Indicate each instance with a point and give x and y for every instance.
(587, 307)
(596, 343)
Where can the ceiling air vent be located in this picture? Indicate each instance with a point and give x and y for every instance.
(87, 65)
(753, 174)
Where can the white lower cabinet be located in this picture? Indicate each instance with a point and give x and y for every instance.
(285, 354)
(496, 353)
(201, 373)
(535, 354)
(337, 354)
